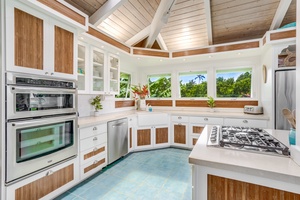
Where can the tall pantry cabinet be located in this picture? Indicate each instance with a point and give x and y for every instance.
(39, 44)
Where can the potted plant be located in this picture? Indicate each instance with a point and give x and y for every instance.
(96, 102)
(140, 94)
(211, 103)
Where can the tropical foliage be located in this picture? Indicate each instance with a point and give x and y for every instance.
(241, 87)
(194, 88)
(125, 82)
(160, 88)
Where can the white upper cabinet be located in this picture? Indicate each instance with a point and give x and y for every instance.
(114, 74)
(97, 69)
(38, 44)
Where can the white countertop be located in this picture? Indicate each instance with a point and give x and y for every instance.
(246, 162)
(90, 121)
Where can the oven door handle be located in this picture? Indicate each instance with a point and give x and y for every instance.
(15, 89)
(43, 121)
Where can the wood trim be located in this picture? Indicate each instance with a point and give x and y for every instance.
(63, 50)
(28, 40)
(143, 137)
(283, 35)
(229, 47)
(225, 188)
(130, 137)
(45, 185)
(125, 103)
(143, 52)
(160, 102)
(59, 7)
(108, 39)
(94, 165)
(94, 152)
(161, 135)
(219, 103)
(197, 129)
(195, 140)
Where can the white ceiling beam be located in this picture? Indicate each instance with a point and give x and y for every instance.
(105, 11)
(208, 21)
(280, 13)
(160, 19)
(139, 36)
(161, 42)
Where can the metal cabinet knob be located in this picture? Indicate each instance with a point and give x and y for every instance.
(52, 74)
(95, 128)
(95, 149)
(46, 73)
(205, 119)
(95, 138)
(179, 117)
(96, 161)
(245, 121)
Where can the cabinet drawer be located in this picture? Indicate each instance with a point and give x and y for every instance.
(246, 122)
(180, 118)
(91, 153)
(92, 141)
(92, 130)
(206, 120)
(93, 166)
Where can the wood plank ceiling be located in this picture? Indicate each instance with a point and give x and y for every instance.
(188, 23)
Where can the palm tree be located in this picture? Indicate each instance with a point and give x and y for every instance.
(200, 77)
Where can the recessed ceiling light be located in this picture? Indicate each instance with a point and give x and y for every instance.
(209, 56)
(138, 58)
(160, 60)
(102, 46)
(82, 38)
(184, 59)
(239, 53)
(117, 53)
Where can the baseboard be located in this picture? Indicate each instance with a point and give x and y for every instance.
(295, 154)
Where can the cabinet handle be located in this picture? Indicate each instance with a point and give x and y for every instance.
(179, 117)
(95, 162)
(46, 73)
(49, 173)
(205, 119)
(95, 149)
(95, 128)
(245, 121)
(95, 138)
(52, 74)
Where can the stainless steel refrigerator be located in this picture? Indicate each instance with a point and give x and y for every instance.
(285, 96)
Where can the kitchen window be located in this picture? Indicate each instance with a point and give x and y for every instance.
(125, 84)
(234, 83)
(159, 85)
(193, 84)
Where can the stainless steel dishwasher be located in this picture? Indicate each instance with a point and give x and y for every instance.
(117, 136)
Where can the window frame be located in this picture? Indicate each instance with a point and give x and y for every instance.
(190, 71)
(130, 95)
(253, 85)
(156, 74)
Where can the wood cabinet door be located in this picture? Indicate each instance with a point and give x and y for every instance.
(63, 51)
(43, 186)
(161, 135)
(179, 134)
(224, 188)
(28, 39)
(143, 137)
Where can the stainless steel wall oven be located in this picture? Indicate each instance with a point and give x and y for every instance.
(41, 124)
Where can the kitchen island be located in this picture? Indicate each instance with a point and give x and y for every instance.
(231, 174)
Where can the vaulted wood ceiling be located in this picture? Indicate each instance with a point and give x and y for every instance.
(184, 24)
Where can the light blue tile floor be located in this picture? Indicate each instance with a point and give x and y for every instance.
(162, 174)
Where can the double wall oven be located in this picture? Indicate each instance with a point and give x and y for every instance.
(41, 124)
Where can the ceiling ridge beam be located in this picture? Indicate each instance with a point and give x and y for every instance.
(208, 21)
(105, 11)
(160, 19)
(139, 36)
(280, 13)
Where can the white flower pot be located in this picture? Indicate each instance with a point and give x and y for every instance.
(142, 104)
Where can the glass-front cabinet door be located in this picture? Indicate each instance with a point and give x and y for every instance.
(82, 69)
(114, 74)
(98, 70)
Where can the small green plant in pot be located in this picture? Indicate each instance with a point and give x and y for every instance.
(211, 103)
(96, 102)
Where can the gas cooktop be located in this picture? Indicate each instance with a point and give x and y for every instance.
(246, 139)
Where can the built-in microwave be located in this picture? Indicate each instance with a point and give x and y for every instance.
(31, 96)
